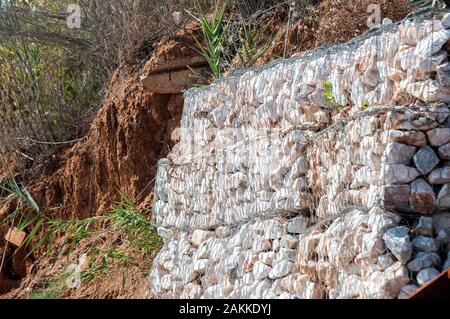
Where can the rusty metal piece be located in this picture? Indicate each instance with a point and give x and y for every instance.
(437, 288)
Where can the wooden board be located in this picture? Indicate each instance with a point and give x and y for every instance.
(15, 236)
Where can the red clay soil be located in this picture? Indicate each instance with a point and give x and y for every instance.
(130, 133)
(128, 136)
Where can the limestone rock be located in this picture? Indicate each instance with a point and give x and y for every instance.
(440, 176)
(444, 151)
(443, 74)
(399, 174)
(427, 244)
(425, 160)
(397, 196)
(199, 236)
(385, 261)
(424, 226)
(428, 91)
(415, 138)
(164, 233)
(386, 21)
(201, 265)
(439, 136)
(267, 257)
(191, 291)
(446, 20)
(398, 242)
(396, 276)
(289, 242)
(447, 262)
(422, 198)
(298, 225)
(281, 269)
(423, 260)
(261, 270)
(408, 33)
(443, 199)
(300, 168)
(399, 153)
(407, 291)
(433, 42)
(230, 197)
(426, 275)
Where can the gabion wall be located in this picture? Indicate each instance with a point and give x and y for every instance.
(322, 176)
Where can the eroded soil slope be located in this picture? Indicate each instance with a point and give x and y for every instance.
(131, 131)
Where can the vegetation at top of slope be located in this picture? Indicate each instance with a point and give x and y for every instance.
(53, 77)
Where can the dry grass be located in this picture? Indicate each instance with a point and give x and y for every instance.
(53, 78)
(110, 254)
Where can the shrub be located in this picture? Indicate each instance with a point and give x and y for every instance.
(214, 33)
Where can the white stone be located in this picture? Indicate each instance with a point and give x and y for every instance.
(267, 257)
(201, 265)
(280, 269)
(261, 270)
(298, 225)
(199, 236)
(446, 20)
(289, 242)
(396, 276)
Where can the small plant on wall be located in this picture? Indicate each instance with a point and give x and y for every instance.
(329, 97)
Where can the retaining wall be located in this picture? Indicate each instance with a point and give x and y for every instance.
(322, 176)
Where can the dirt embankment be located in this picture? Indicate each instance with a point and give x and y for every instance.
(131, 131)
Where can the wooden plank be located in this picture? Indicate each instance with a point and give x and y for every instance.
(15, 236)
